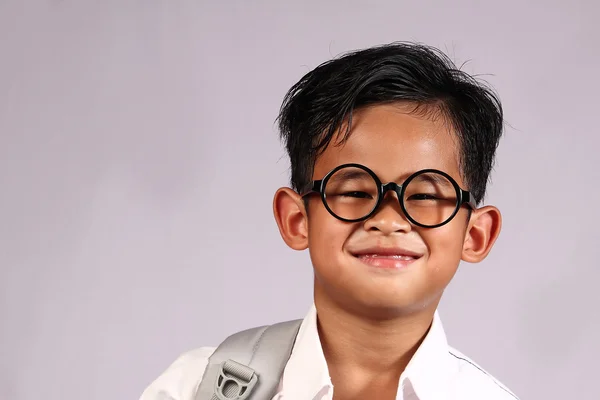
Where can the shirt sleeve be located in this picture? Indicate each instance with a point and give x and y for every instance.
(181, 379)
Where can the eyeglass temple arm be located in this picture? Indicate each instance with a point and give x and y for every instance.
(312, 187)
(467, 198)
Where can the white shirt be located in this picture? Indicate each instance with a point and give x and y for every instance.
(436, 372)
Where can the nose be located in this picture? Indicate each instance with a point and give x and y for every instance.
(389, 217)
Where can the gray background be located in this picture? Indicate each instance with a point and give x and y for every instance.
(124, 125)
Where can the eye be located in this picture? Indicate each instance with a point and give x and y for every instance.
(423, 196)
(357, 194)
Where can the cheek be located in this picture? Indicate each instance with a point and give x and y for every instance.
(445, 246)
(326, 237)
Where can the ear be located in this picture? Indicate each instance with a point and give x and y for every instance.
(483, 230)
(291, 218)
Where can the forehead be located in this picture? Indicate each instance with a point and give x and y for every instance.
(394, 141)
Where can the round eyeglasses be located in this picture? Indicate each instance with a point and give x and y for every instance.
(352, 192)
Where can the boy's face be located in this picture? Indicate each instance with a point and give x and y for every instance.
(393, 143)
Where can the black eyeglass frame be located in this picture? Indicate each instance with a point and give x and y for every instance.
(463, 197)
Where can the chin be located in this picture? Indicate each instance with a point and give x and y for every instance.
(385, 302)
(384, 311)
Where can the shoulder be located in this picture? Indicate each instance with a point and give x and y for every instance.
(181, 379)
(473, 382)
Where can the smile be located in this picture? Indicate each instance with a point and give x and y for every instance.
(387, 258)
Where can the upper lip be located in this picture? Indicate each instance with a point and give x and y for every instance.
(386, 251)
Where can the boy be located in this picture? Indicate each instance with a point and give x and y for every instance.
(391, 148)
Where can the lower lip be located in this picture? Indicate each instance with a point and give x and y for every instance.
(387, 262)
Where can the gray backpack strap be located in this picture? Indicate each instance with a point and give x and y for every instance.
(249, 364)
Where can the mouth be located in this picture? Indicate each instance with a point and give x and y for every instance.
(387, 258)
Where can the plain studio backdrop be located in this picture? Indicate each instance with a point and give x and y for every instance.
(139, 157)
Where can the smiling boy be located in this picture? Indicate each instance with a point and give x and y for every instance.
(391, 149)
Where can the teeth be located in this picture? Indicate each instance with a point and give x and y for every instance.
(393, 256)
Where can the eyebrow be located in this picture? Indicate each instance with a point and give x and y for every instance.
(352, 173)
(434, 178)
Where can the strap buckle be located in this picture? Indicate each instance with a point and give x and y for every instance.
(235, 381)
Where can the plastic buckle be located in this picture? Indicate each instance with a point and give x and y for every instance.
(235, 381)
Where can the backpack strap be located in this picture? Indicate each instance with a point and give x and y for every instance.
(249, 364)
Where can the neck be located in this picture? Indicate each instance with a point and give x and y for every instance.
(367, 346)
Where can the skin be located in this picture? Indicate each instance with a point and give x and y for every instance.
(371, 320)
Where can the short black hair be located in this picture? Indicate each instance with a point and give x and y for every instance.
(318, 105)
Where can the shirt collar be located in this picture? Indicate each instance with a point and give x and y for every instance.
(427, 374)
(306, 373)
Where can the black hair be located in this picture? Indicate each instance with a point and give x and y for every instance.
(318, 105)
